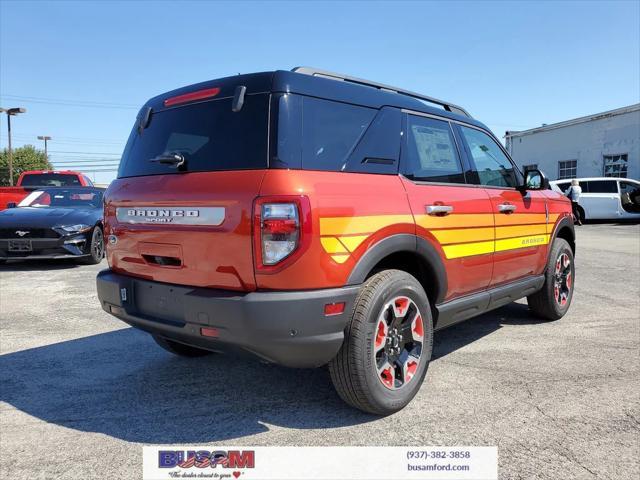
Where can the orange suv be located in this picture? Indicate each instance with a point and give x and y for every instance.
(311, 218)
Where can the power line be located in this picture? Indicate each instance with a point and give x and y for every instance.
(71, 103)
(84, 153)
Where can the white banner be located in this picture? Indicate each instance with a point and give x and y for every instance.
(320, 463)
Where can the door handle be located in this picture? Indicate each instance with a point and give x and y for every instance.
(506, 208)
(440, 210)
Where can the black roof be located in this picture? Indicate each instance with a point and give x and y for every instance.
(285, 81)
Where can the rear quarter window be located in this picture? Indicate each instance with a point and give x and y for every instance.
(316, 134)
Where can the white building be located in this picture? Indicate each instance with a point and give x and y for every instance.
(602, 145)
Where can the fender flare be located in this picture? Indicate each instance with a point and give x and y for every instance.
(567, 222)
(402, 243)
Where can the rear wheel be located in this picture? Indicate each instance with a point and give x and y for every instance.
(387, 346)
(554, 299)
(179, 348)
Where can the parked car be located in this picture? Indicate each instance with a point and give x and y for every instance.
(605, 198)
(33, 179)
(54, 223)
(310, 221)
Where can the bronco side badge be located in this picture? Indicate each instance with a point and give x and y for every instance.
(123, 294)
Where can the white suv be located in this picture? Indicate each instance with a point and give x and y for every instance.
(605, 198)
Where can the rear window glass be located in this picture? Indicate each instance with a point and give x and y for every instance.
(208, 135)
(49, 180)
(316, 134)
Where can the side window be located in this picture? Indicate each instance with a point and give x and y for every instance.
(628, 187)
(431, 153)
(318, 134)
(602, 186)
(491, 164)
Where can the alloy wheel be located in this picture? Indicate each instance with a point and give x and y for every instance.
(562, 280)
(397, 344)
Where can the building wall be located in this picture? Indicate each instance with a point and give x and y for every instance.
(586, 142)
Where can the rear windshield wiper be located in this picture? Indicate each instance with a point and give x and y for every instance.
(172, 158)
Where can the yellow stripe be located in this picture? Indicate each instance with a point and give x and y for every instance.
(511, 232)
(521, 242)
(340, 257)
(332, 245)
(456, 220)
(353, 242)
(467, 249)
(355, 225)
(520, 231)
(463, 235)
(520, 218)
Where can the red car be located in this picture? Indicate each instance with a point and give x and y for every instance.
(33, 179)
(311, 218)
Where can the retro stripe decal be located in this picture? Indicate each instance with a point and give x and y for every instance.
(461, 235)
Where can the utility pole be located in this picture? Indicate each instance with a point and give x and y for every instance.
(45, 138)
(11, 112)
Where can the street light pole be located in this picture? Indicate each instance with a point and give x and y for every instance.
(11, 112)
(45, 138)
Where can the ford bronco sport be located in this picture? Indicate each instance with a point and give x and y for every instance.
(311, 218)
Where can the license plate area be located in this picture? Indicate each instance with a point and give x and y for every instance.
(20, 246)
(159, 301)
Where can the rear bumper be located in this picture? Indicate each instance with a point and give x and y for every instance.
(287, 328)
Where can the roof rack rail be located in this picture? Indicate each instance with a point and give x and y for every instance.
(316, 72)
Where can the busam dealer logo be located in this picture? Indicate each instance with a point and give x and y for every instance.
(235, 460)
(161, 215)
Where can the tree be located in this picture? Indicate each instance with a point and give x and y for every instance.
(24, 158)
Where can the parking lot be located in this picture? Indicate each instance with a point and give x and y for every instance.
(81, 392)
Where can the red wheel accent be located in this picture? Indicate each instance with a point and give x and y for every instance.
(418, 328)
(381, 334)
(401, 305)
(410, 371)
(387, 377)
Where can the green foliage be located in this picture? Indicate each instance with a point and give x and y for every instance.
(24, 158)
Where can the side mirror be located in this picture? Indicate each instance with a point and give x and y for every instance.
(12, 205)
(534, 179)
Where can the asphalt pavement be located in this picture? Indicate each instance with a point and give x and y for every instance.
(81, 392)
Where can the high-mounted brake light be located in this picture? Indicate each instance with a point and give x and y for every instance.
(192, 96)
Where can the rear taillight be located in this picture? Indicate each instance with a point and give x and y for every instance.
(279, 231)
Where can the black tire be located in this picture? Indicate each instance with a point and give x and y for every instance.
(355, 370)
(180, 349)
(549, 303)
(96, 248)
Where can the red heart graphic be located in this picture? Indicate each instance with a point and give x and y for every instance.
(236, 474)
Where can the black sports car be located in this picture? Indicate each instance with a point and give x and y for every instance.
(54, 223)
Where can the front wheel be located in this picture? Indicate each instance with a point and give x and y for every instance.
(96, 249)
(554, 299)
(387, 348)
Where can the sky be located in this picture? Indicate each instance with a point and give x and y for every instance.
(83, 69)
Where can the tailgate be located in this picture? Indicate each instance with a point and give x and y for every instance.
(189, 229)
